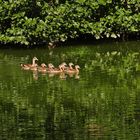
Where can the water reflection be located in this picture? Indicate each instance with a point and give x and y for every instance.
(35, 75)
(102, 104)
(62, 75)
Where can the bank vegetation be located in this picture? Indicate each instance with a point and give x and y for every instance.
(30, 22)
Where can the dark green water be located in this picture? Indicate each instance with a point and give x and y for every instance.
(101, 103)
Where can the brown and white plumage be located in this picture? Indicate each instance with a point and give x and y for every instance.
(42, 68)
(30, 66)
(76, 70)
(60, 68)
(69, 67)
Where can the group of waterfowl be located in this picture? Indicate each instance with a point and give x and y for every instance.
(62, 68)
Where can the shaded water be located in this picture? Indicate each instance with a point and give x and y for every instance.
(102, 102)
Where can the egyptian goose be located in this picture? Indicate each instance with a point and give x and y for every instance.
(34, 67)
(42, 68)
(60, 69)
(63, 66)
(28, 66)
(50, 67)
(70, 67)
(76, 70)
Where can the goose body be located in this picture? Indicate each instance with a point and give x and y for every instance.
(60, 69)
(30, 66)
(76, 70)
(34, 67)
(24, 66)
(42, 68)
(70, 67)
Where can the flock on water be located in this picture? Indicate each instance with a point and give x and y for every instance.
(51, 69)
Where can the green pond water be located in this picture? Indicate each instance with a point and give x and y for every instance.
(102, 102)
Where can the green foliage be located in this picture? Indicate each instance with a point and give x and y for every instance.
(32, 22)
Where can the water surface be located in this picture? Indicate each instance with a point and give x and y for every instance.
(101, 102)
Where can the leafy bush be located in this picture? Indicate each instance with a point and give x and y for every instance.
(33, 22)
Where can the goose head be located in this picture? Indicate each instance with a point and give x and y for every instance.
(64, 64)
(50, 65)
(77, 67)
(43, 65)
(35, 58)
(71, 64)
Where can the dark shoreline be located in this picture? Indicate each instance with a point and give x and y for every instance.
(86, 40)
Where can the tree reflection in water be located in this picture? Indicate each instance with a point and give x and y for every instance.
(102, 104)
